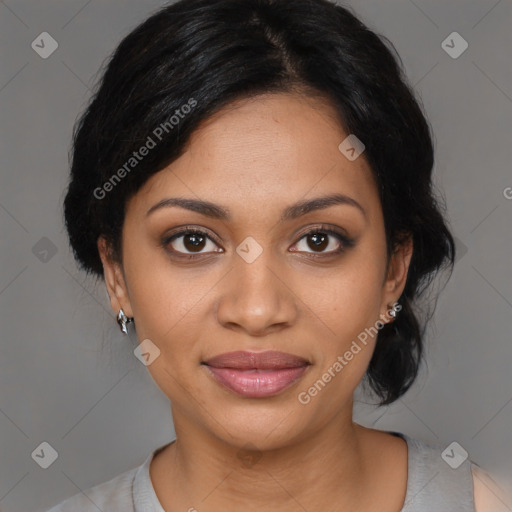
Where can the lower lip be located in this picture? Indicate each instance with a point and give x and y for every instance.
(257, 383)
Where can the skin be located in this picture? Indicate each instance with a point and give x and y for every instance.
(255, 158)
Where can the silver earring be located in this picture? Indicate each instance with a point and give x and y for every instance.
(122, 320)
(393, 312)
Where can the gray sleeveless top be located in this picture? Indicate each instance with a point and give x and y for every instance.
(432, 486)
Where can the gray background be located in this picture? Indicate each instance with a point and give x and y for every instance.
(68, 377)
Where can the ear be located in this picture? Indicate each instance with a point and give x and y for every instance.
(114, 279)
(397, 270)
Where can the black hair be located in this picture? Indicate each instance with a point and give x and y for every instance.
(194, 57)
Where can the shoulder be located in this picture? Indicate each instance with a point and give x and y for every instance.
(488, 496)
(439, 477)
(113, 495)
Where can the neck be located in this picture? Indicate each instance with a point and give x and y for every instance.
(201, 471)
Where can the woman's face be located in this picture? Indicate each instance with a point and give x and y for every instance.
(253, 279)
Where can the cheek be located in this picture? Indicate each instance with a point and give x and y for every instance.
(169, 309)
(162, 295)
(348, 307)
(349, 299)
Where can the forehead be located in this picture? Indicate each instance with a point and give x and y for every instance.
(267, 150)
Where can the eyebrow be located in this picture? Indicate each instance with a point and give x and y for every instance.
(294, 211)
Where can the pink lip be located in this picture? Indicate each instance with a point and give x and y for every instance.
(256, 374)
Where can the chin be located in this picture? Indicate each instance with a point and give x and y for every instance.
(265, 427)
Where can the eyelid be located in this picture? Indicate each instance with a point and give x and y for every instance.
(187, 229)
(322, 228)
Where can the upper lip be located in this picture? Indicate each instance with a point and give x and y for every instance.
(269, 360)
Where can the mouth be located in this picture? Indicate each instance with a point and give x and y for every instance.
(256, 374)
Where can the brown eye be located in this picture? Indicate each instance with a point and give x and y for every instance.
(318, 241)
(193, 242)
(190, 242)
(323, 241)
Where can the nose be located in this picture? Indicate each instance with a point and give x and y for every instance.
(256, 299)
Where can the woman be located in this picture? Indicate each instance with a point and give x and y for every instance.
(252, 180)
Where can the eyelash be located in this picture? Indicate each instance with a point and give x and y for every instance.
(345, 242)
